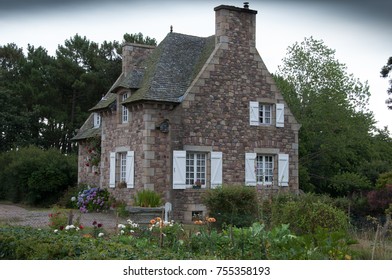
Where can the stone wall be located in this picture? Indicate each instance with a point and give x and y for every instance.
(215, 111)
(87, 174)
(151, 146)
(185, 202)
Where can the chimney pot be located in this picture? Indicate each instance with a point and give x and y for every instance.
(246, 5)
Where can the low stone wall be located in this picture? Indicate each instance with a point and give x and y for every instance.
(187, 202)
(143, 215)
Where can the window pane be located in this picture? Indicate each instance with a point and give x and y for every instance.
(265, 113)
(195, 168)
(264, 169)
(124, 109)
(123, 166)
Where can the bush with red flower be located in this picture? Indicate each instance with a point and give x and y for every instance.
(93, 150)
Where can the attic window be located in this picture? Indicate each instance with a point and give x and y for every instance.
(97, 120)
(124, 117)
(263, 114)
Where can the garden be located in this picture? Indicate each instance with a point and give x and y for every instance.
(240, 225)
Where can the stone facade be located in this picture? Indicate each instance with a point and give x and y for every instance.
(210, 116)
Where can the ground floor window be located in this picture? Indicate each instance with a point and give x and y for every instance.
(121, 169)
(196, 168)
(267, 169)
(264, 169)
(192, 168)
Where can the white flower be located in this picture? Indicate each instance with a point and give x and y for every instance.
(121, 226)
(122, 232)
(56, 231)
(132, 224)
(131, 231)
(100, 234)
(73, 199)
(68, 227)
(77, 229)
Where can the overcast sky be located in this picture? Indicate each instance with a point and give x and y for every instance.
(359, 31)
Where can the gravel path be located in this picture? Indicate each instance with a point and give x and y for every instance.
(16, 215)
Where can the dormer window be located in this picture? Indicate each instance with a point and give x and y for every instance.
(125, 113)
(97, 120)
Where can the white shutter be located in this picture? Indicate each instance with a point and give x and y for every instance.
(179, 169)
(283, 170)
(130, 169)
(112, 170)
(250, 172)
(216, 169)
(254, 113)
(279, 115)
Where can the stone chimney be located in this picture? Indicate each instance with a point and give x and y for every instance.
(133, 54)
(235, 25)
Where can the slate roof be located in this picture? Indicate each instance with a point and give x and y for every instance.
(163, 77)
(167, 73)
(172, 67)
(87, 130)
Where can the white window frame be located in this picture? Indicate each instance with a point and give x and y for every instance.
(125, 112)
(121, 168)
(196, 168)
(258, 111)
(263, 110)
(265, 169)
(97, 120)
(184, 177)
(253, 175)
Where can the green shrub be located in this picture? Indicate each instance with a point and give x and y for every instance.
(384, 179)
(170, 242)
(58, 219)
(305, 213)
(346, 183)
(232, 205)
(36, 177)
(147, 198)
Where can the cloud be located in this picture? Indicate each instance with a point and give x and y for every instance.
(26, 6)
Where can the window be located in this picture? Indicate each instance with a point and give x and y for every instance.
(264, 169)
(195, 168)
(261, 169)
(265, 114)
(121, 168)
(190, 166)
(97, 120)
(262, 114)
(124, 109)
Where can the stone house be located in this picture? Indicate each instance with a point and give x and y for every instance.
(192, 111)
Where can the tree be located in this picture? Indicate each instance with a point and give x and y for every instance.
(44, 99)
(84, 74)
(139, 39)
(331, 105)
(385, 72)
